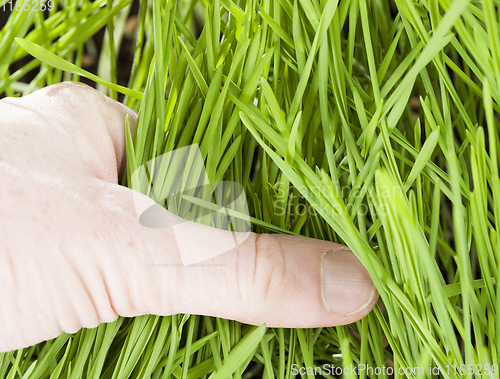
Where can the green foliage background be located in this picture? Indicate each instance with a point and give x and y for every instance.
(378, 117)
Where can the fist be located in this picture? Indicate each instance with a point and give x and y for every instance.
(73, 253)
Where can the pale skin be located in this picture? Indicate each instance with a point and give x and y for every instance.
(73, 254)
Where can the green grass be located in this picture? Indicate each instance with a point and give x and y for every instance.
(379, 118)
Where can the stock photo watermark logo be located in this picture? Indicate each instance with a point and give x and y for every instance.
(178, 181)
(367, 370)
(292, 201)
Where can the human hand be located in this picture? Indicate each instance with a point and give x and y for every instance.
(73, 254)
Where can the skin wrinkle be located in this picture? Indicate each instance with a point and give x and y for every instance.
(58, 271)
(170, 291)
(284, 273)
(151, 286)
(267, 287)
(91, 299)
(100, 264)
(94, 162)
(105, 285)
(117, 199)
(108, 161)
(108, 202)
(265, 239)
(56, 290)
(123, 284)
(257, 237)
(278, 263)
(238, 270)
(117, 270)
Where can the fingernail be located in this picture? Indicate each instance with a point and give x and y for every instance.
(346, 285)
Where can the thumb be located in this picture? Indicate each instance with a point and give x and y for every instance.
(280, 280)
